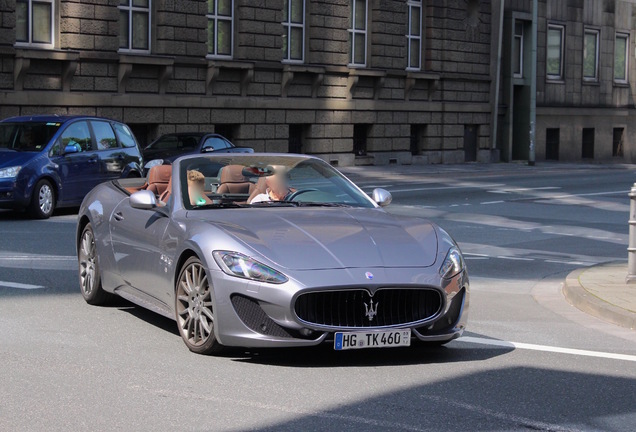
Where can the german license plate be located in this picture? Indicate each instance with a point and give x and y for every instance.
(357, 340)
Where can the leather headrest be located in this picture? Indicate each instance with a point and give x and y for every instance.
(160, 174)
(233, 174)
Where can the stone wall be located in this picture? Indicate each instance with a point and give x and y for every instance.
(256, 96)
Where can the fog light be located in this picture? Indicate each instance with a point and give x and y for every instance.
(306, 332)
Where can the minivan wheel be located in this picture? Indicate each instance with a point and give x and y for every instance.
(42, 201)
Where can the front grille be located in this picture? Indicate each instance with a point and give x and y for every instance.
(357, 308)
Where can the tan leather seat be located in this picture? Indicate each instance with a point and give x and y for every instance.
(233, 181)
(166, 194)
(259, 188)
(158, 179)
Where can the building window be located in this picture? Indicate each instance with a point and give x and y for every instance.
(360, 134)
(220, 28)
(621, 62)
(134, 25)
(554, 52)
(590, 55)
(552, 137)
(34, 22)
(414, 36)
(297, 134)
(617, 142)
(358, 32)
(294, 25)
(587, 144)
(517, 50)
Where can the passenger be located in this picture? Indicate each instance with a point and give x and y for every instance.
(277, 189)
(196, 185)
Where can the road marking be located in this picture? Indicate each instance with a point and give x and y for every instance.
(513, 190)
(515, 258)
(491, 202)
(20, 285)
(546, 348)
(524, 422)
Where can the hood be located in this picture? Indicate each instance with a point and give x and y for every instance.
(328, 238)
(9, 158)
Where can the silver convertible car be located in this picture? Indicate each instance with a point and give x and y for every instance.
(266, 250)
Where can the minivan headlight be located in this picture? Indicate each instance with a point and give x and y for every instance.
(453, 264)
(239, 265)
(10, 172)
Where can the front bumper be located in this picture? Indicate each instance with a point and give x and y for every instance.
(12, 196)
(251, 314)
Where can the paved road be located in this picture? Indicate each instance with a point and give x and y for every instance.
(528, 361)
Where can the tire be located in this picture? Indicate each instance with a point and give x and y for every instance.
(193, 309)
(42, 201)
(89, 275)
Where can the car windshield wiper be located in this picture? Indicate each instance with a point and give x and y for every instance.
(275, 204)
(220, 205)
(321, 204)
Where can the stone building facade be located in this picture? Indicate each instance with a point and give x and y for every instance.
(585, 80)
(353, 81)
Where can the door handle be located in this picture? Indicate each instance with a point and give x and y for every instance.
(118, 216)
(92, 159)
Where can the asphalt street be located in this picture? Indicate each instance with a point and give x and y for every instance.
(529, 360)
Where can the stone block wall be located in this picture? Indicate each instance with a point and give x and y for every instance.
(256, 96)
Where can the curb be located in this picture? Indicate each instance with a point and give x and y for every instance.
(582, 299)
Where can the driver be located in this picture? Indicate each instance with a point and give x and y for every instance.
(277, 189)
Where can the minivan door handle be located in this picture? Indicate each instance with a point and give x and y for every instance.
(92, 159)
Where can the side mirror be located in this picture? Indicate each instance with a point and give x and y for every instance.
(382, 197)
(71, 148)
(143, 200)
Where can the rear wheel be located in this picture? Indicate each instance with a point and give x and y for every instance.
(89, 275)
(42, 201)
(193, 306)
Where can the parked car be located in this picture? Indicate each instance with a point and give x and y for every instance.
(203, 245)
(48, 162)
(168, 147)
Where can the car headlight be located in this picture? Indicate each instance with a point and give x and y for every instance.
(10, 172)
(239, 265)
(453, 263)
(153, 163)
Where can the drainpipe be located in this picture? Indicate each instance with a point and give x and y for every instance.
(495, 103)
(533, 85)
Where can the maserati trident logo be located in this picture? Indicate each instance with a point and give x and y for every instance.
(371, 312)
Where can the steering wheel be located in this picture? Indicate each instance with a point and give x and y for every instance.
(294, 194)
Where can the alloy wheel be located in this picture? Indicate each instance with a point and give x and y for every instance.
(194, 305)
(87, 262)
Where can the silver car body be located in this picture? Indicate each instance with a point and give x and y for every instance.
(336, 261)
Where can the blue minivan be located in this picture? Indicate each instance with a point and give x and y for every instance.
(54, 161)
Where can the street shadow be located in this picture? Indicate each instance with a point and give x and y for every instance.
(507, 398)
(19, 215)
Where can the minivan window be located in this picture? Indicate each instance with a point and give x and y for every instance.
(125, 135)
(104, 135)
(79, 135)
(26, 136)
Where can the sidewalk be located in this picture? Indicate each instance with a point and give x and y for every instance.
(601, 291)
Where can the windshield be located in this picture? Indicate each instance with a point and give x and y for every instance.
(27, 136)
(265, 181)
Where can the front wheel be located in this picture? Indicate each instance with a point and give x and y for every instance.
(89, 275)
(193, 306)
(43, 200)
